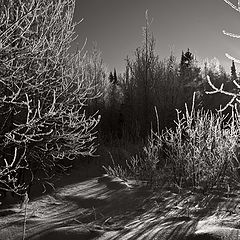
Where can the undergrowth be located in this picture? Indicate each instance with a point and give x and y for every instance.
(116, 170)
(200, 152)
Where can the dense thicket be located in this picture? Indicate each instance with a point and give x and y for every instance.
(128, 102)
(43, 91)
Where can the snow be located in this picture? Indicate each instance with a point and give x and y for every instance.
(107, 208)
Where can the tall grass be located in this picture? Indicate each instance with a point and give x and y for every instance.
(144, 166)
(116, 170)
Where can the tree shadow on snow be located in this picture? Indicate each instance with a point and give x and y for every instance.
(109, 208)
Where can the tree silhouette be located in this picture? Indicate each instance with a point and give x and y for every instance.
(186, 67)
(233, 71)
(111, 78)
(115, 76)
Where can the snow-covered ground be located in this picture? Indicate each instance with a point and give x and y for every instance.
(107, 208)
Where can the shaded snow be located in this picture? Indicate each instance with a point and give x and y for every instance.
(107, 208)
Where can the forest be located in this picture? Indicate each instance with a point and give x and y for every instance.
(164, 123)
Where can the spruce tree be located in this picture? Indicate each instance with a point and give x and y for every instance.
(188, 58)
(187, 69)
(182, 59)
(233, 71)
(186, 61)
(114, 76)
(111, 78)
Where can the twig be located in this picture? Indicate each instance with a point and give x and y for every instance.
(25, 203)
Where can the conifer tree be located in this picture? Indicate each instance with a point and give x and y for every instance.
(188, 58)
(111, 77)
(186, 66)
(182, 59)
(114, 76)
(112, 103)
(233, 71)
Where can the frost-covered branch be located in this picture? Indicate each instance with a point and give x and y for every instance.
(234, 96)
(236, 8)
(43, 91)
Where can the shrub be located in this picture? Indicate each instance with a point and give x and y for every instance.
(116, 170)
(199, 152)
(43, 92)
(144, 166)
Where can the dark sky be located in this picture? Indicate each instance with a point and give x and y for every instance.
(116, 27)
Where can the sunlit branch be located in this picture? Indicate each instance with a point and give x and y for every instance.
(232, 5)
(45, 91)
(231, 34)
(232, 58)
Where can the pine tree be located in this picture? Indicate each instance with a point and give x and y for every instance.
(112, 102)
(114, 76)
(188, 70)
(188, 58)
(111, 78)
(233, 71)
(186, 61)
(182, 59)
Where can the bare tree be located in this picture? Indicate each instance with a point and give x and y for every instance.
(96, 73)
(142, 71)
(43, 92)
(234, 96)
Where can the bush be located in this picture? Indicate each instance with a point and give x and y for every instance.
(200, 152)
(144, 166)
(43, 93)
